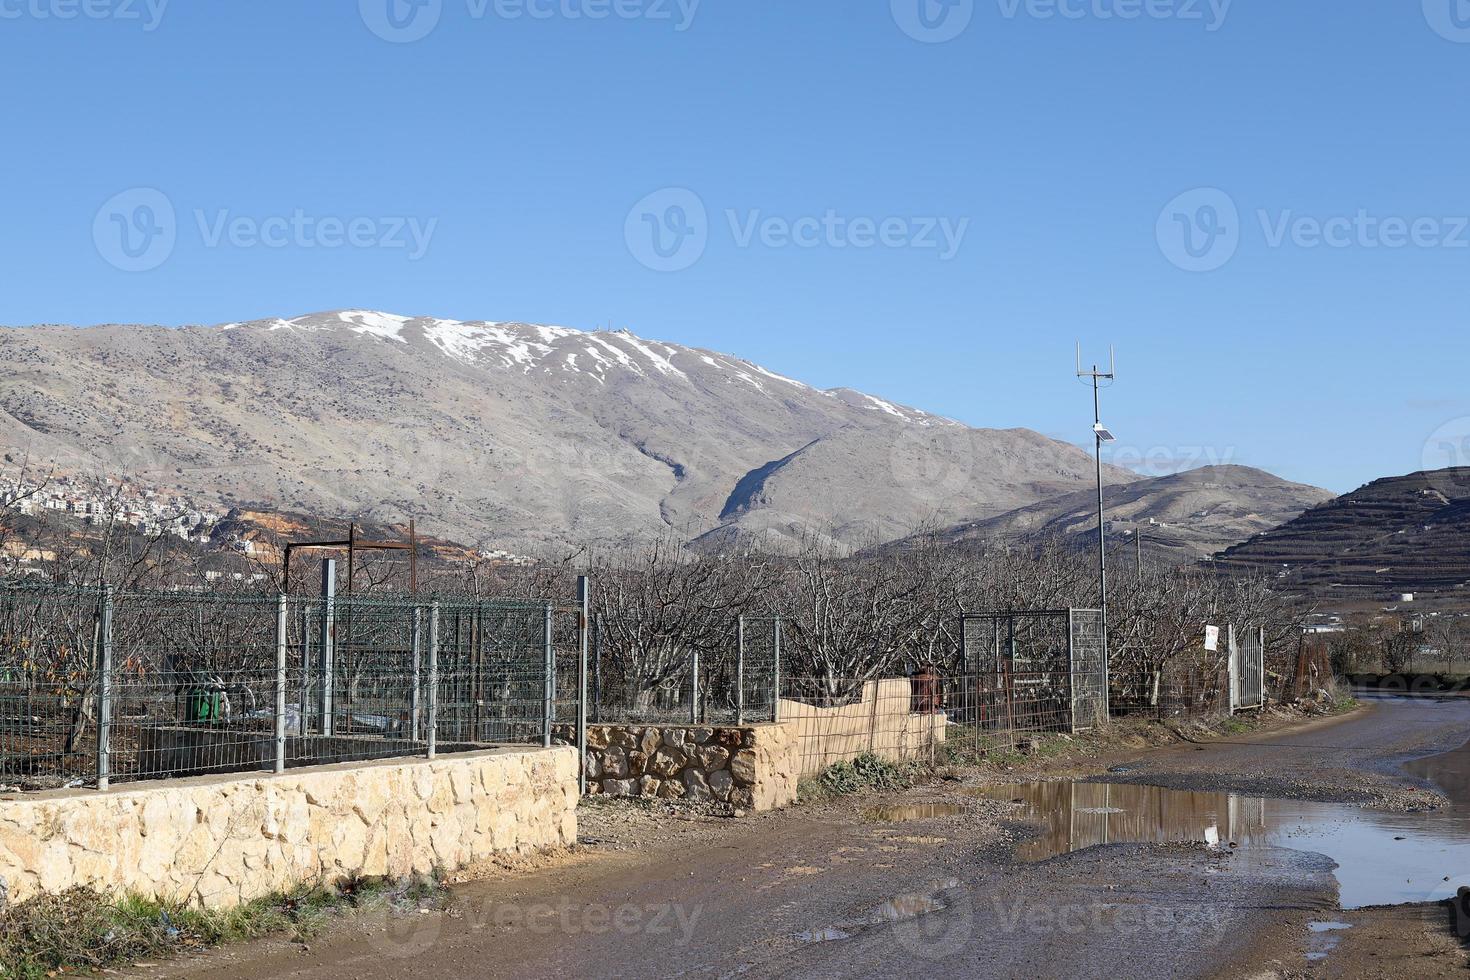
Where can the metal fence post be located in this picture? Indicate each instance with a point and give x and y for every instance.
(740, 670)
(776, 671)
(548, 708)
(104, 690)
(432, 724)
(584, 607)
(416, 691)
(281, 684)
(329, 628)
(694, 689)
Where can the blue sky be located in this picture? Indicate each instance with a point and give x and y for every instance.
(1261, 204)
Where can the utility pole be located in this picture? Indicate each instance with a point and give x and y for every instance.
(1100, 434)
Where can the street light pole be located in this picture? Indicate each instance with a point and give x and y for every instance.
(1100, 435)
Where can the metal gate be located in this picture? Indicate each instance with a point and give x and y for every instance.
(1089, 669)
(1037, 670)
(1247, 670)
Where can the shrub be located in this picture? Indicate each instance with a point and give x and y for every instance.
(867, 772)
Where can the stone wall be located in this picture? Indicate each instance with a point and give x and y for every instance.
(220, 840)
(752, 767)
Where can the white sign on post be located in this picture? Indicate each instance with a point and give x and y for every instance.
(1212, 638)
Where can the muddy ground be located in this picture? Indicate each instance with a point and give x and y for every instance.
(828, 889)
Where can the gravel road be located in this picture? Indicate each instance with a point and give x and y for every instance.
(828, 891)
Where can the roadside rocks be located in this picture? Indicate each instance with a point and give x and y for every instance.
(752, 767)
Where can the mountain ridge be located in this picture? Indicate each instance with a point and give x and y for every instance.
(506, 434)
(1182, 516)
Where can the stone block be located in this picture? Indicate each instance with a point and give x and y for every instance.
(667, 762)
(743, 768)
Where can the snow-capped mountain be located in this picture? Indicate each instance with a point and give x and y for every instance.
(506, 434)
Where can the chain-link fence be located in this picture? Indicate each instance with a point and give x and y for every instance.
(98, 687)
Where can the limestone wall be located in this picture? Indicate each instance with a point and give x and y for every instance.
(751, 766)
(220, 840)
(881, 723)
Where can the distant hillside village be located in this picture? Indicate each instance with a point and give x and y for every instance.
(230, 544)
(148, 510)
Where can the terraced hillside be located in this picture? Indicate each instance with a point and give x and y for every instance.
(1396, 535)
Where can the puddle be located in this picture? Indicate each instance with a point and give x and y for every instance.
(915, 811)
(1323, 941)
(900, 908)
(1382, 858)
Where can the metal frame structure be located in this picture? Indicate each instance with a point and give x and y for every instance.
(1049, 662)
(1247, 670)
(352, 546)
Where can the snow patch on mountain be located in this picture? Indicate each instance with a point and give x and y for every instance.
(598, 354)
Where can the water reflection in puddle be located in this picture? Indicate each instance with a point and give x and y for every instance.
(1324, 940)
(916, 811)
(1382, 858)
(900, 908)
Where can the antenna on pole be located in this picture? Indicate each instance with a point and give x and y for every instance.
(1100, 433)
(1096, 375)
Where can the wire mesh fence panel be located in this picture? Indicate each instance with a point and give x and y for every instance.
(1031, 642)
(372, 674)
(638, 690)
(737, 684)
(841, 719)
(192, 687)
(1186, 687)
(646, 676)
(1089, 666)
(1034, 667)
(48, 693)
(760, 668)
(496, 673)
(98, 687)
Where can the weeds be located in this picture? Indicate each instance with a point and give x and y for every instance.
(866, 772)
(81, 929)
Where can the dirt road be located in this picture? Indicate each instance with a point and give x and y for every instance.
(828, 891)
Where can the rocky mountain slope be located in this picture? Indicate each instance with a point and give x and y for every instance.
(1182, 517)
(1396, 535)
(505, 434)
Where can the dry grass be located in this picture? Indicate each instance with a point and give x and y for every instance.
(81, 930)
